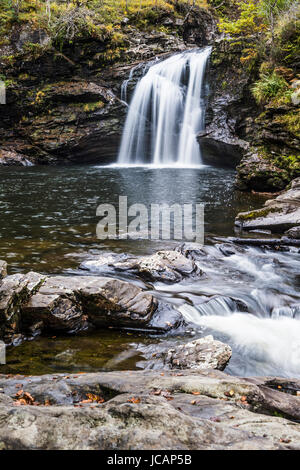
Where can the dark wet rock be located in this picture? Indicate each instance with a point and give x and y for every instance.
(79, 117)
(236, 126)
(203, 353)
(16, 290)
(190, 410)
(3, 269)
(114, 302)
(191, 250)
(293, 233)
(54, 312)
(278, 215)
(228, 249)
(166, 318)
(219, 153)
(229, 103)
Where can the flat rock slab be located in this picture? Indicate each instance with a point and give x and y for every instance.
(278, 215)
(147, 410)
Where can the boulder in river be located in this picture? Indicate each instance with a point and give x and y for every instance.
(30, 303)
(203, 353)
(164, 266)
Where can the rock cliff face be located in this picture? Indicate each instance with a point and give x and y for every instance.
(229, 104)
(264, 140)
(65, 106)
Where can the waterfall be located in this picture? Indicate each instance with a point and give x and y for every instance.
(166, 113)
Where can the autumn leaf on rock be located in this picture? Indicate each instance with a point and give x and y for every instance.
(134, 400)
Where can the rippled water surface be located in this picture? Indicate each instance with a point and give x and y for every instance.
(48, 214)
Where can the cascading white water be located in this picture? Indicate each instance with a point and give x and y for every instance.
(166, 113)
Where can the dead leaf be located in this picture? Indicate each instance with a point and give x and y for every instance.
(134, 400)
(285, 441)
(95, 398)
(24, 398)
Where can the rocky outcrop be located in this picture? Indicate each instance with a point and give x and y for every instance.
(164, 266)
(265, 139)
(273, 159)
(278, 215)
(229, 104)
(258, 173)
(186, 410)
(203, 353)
(32, 303)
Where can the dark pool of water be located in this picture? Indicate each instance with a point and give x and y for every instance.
(100, 350)
(48, 215)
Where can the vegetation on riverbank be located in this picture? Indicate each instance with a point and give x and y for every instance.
(68, 21)
(270, 31)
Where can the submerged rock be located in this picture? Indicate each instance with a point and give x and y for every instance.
(203, 353)
(278, 215)
(147, 410)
